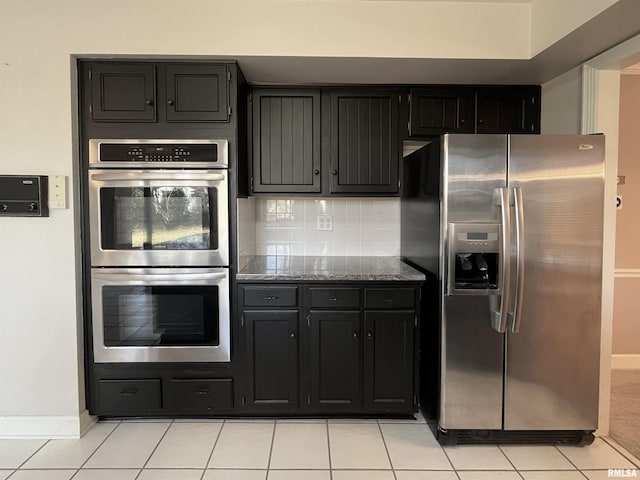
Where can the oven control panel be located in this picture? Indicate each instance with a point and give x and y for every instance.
(164, 153)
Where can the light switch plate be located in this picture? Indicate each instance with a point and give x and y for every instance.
(325, 222)
(57, 191)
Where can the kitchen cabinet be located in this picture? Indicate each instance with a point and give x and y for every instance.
(325, 141)
(438, 110)
(286, 140)
(123, 92)
(270, 344)
(132, 391)
(364, 146)
(164, 92)
(334, 319)
(514, 109)
(349, 349)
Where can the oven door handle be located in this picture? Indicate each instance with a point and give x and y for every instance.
(157, 176)
(148, 276)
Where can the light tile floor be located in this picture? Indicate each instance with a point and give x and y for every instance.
(284, 449)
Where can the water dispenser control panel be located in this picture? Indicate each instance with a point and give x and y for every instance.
(473, 258)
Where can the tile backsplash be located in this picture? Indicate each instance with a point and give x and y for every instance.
(360, 226)
(246, 230)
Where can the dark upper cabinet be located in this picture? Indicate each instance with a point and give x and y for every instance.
(335, 361)
(197, 93)
(152, 92)
(271, 355)
(123, 92)
(364, 145)
(513, 109)
(286, 140)
(388, 360)
(434, 111)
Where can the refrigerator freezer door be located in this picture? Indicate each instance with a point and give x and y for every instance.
(474, 168)
(552, 362)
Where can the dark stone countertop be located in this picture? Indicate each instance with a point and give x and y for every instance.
(285, 268)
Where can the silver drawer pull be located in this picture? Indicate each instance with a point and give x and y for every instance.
(270, 298)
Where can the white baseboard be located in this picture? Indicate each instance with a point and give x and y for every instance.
(53, 426)
(625, 361)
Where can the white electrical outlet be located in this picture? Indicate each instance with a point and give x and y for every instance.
(57, 191)
(325, 222)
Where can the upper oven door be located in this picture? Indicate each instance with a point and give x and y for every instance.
(159, 218)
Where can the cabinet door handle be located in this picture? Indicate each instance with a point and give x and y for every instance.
(201, 391)
(316, 172)
(388, 300)
(129, 391)
(270, 298)
(355, 335)
(170, 102)
(369, 334)
(292, 334)
(148, 102)
(334, 172)
(333, 299)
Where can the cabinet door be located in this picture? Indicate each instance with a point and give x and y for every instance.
(286, 141)
(365, 150)
(434, 111)
(271, 353)
(508, 110)
(123, 92)
(335, 361)
(197, 93)
(388, 361)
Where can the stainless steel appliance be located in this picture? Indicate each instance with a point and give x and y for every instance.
(176, 216)
(160, 314)
(159, 239)
(159, 217)
(511, 229)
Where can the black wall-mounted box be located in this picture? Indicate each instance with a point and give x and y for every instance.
(24, 196)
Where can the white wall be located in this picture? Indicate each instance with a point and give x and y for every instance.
(562, 104)
(40, 355)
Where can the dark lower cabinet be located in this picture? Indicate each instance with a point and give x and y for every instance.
(130, 397)
(348, 349)
(388, 360)
(200, 395)
(271, 360)
(335, 361)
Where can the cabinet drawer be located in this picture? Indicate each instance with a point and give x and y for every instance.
(129, 397)
(270, 296)
(389, 297)
(200, 395)
(335, 297)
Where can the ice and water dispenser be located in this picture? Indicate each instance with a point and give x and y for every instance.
(474, 259)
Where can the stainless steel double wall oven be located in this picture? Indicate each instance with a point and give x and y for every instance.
(159, 228)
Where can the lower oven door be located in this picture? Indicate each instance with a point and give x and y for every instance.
(160, 315)
(142, 218)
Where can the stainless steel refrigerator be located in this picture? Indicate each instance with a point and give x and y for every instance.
(510, 229)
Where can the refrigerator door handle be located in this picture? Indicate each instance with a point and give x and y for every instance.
(519, 223)
(499, 318)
